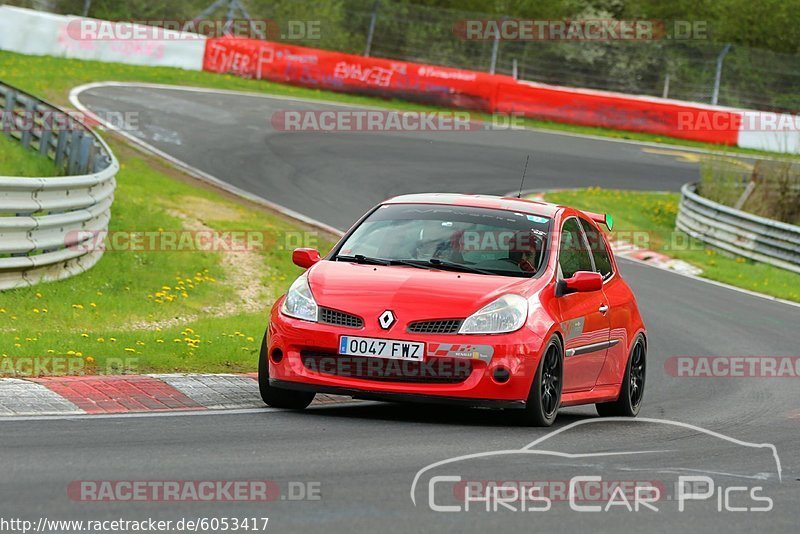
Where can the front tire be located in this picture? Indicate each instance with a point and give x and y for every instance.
(544, 398)
(631, 392)
(276, 397)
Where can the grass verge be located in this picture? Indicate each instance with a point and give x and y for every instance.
(648, 220)
(151, 310)
(52, 78)
(17, 161)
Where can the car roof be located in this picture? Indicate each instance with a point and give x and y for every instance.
(533, 207)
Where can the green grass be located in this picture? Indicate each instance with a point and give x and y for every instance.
(159, 311)
(652, 216)
(17, 161)
(52, 78)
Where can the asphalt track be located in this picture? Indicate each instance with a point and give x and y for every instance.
(366, 456)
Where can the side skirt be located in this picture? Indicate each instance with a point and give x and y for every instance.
(596, 394)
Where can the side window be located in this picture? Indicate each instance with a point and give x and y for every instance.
(602, 258)
(573, 255)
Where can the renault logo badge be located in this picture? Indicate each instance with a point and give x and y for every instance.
(387, 319)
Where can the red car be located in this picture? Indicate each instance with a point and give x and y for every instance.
(466, 299)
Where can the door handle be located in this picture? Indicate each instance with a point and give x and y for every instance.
(603, 309)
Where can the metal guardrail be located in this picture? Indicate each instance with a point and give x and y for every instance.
(48, 225)
(738, 232)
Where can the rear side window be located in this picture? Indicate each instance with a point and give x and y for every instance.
(600, 253)
(573, 256)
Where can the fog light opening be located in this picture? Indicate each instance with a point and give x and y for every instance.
(277, 355)
(501, 375)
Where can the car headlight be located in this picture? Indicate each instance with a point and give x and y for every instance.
(299, 302)
(506, 314)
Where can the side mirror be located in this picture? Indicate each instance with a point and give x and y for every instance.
(305, 257)
(581, 282)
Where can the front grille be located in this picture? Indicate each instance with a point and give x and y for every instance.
(446, 326)
(340, 318)
(434, 371)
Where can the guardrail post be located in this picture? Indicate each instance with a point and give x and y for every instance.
(28, 124)
(83, 160)
(495, 50)
(44, 139)
(74, 151)
(373, 20)
(718, 73)
(11, 102)
(61, 148)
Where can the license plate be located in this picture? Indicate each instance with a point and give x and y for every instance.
(381, 348)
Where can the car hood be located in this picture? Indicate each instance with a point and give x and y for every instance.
(369, 290)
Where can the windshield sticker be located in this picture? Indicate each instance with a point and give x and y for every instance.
(537, 219)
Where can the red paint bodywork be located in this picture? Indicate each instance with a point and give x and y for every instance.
(418, 294)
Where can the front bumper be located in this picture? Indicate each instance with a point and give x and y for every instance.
(501, 379)
(398, 397)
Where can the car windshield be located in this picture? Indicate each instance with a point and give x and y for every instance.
(459, 238)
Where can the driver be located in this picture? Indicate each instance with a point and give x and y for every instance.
(524, 250)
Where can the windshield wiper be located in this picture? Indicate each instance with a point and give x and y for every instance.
(419, 264)
(452, 266)
(367, 260)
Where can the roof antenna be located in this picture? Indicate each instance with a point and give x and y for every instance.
(525, 170)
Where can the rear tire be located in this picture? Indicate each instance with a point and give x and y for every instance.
(276, 397)
(631, 392)
(544, 398)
